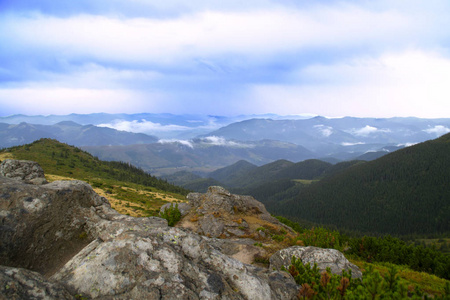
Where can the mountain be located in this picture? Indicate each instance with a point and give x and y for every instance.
(404, 192)
(227, 174)
(60, 159)
(69, 132)
(199, 155)
(329, 137)
(163, 125)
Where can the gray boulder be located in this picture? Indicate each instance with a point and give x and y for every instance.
(24, 284)
(324, 258)
(66, 231)
(24, 170)
(42, 227)
(219, 199)
(222, 214)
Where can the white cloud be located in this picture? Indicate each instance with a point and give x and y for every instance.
(438, 130)
(55, 100)
(183, 142)
(367, 130)
(325, 130)
(410, 83)
(220, 141)
(207, 33)
(406, 144)
(143, 126)
(352, 144)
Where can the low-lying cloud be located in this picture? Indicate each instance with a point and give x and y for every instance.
(143, 126)
(368, 130)
(182, 142)
(324, 130)
(220, 141)
(438, 130)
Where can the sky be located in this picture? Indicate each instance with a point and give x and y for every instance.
(331, 58)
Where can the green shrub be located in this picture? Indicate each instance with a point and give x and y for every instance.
(172, 214)
(320, 237)
(316, 285)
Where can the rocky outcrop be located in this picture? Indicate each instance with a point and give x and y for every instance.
(44, 226)
(66, 230)
(23, 170)
(24, 284)
(324, 258)
(218, 213)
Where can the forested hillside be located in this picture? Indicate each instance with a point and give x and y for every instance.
(405, 192)
(61, 159)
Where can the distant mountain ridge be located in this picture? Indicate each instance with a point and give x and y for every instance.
(330, 136)
(202, 143)
(69, 132)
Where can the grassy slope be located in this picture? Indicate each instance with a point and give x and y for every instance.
(61, 161)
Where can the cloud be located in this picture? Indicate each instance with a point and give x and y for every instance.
(55, 100)
(406, 144)
(334, 58)
(325, 130)
(143, 126)
(182, 142)
(185, 37)
(220, 141)
(438, 130)
(207, 141)
(367, 130)
(352, 144)
(410, 83)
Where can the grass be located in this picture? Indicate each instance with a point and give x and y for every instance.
(63, 162)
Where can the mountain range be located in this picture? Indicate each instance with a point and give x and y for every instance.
(69, 132)
(164, 144)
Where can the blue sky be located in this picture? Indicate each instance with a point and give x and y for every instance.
(332, 58)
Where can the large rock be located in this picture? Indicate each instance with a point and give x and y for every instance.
(324, 258)
(41, 227)
(219, 199)
(24, 284)
(218, 213)
(168, 263)
(23, 170)
(45, 227)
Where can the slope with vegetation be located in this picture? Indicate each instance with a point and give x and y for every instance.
(405, 192)
(129, 189)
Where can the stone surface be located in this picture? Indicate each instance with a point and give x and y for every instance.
(219, 213)
(41, 227)
(219, 199)
(24, 284)
(167, 263)
(23, 170)
(66, 230)
(325, 258)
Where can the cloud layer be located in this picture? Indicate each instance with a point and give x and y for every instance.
(334, 58)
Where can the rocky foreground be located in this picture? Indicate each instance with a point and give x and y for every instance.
(61, 240)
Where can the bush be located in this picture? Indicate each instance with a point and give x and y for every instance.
(316, 285)
(320, 237)
(172, 214)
